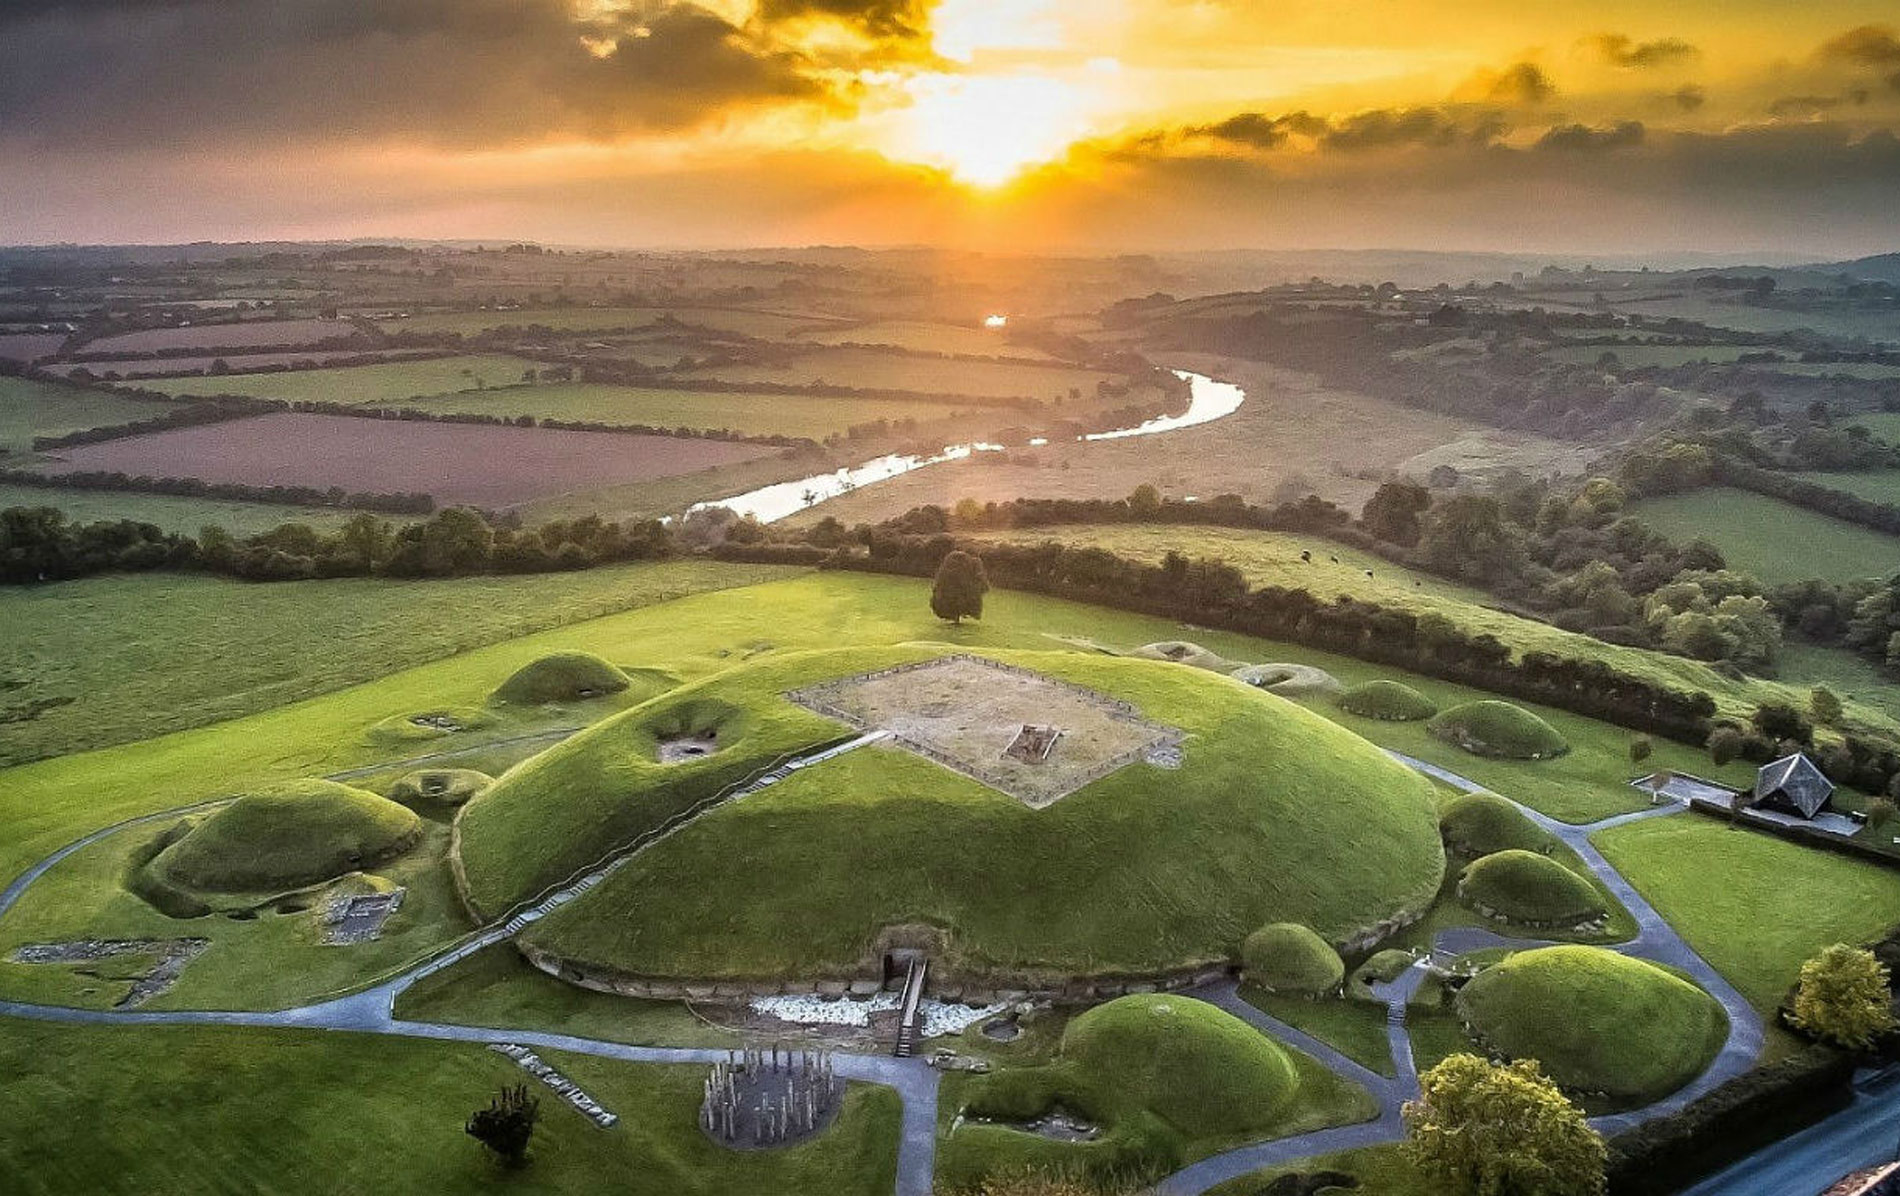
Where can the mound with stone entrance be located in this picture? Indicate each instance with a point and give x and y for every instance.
(1493, 728)
(562, 677)
(1600, 1023)
(1387, 701)
(1530, 890)
(285, 837)
(1043, 815)
(1478, 824)
(437, 787)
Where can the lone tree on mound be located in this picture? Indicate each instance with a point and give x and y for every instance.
(1843, 997)
(1487, 1129)
(505, 1126)
(959, 589)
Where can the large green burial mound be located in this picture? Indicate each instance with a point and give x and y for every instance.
(562, 677)
(1387, 701)
(1164, 857)
(1493, 728)
(1288, 958)
(1529, 889)
(1599, 1022)
(1478, 824)
(287, 836)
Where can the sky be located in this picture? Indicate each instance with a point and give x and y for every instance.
(1004, 125)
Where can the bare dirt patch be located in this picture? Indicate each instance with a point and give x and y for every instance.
(457, 463)
(1030, 736)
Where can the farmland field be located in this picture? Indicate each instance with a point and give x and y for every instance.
(161, 367)
(364, 385)
(743, 321)
(172, 513)
(457, 463)
(1884, 424)
(923, 337)
(1874, 485)
(29, 409)
(1640, 356)
(30, 346)
(1772, 539)
(250, 334)
(870, 369)
(751, 414)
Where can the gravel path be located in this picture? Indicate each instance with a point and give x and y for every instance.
(371, 1011)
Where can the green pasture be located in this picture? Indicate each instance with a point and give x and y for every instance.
(1774, 540)
(742, 321)
(187, 516)
(29, 408)
(873, 369)
(785, 414)
(387, 385)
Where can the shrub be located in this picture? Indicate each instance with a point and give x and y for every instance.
(1640, 749)
(1493, 728)
(1286, 957)
(1388, 701)
(507, 1124)
(1725, 743)
(1843, 997)
(1530, 889)
(1482, 1128)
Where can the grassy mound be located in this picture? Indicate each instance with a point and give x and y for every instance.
(1183, 652)
(287, 836)
(433, 723)
(562, 677)
(881, 836)
(1288, 958)
(1479, 824)
(1599, 1022)
(1289, 680)
(1494, 728)
(1527, 888)
(1387, 701)
(439, 787)
(1158, 1074)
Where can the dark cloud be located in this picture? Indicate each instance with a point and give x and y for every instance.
(1385, 127)
(1688, 97)
(1579, 138)
(462, 72)
(1869, 45)
(1259, 130)
(878, 18)
(1520, 85)
(1619, 49)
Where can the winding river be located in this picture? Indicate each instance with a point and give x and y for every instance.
(1208, 400)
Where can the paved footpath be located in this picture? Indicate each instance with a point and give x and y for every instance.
(371, 1011)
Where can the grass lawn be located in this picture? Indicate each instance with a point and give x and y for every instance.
(175, 1109)
(873, 369)
(143, 655)
(1356, 1029)
(1756, 907)
(29, 409)
(1774, 540)
(495, 987)
(176, 514)
(923, 337)
(1874, 485)
(1884, 424)
(363, 385)
(789, 414)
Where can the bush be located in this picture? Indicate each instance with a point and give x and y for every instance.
(1286, 957)
(1640, 749)
(1843, 997)
(1493, 728)
(1478, 824)
(1529, 889)
(1388, 701)
(1725, 743)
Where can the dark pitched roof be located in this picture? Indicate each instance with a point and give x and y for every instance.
(1865, 1183)
(1797, 780)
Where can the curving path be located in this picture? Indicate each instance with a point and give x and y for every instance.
(371, 1011)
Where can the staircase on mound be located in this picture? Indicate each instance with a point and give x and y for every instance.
(910, 1008)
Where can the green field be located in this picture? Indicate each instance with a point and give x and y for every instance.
(788, 414)
(1273, 558)
(1644, 356)
(743, 321)
(921, 337)
(1875, 485)
(1772, 903)
(872, 369)
(29, 409)
(144, 655)
(362, 385)
(287, 1113)
(1774, 540)
(187, 516)
(1883, 424)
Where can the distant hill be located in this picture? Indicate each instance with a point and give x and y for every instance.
(1883, 267)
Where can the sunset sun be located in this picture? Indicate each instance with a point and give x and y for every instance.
(985, 130)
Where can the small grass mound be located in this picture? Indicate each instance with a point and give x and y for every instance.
(1158, 1074)
(562, 677)
(1286, 957)
(1599, 1022)
(1289, 680)
(439, 787)
(434, 723)
(1494, 728)
(1529, 889)
(1184, 652)
(287, 836)
(1387, 701)
(1479, 824)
